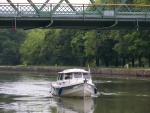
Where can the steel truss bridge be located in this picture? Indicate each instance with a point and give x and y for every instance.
(77, 16)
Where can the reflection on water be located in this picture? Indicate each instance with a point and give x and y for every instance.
(29, 93)
(72, 105)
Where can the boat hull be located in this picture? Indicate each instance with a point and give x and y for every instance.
(77, 90)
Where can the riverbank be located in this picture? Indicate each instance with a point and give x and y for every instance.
(108, 72)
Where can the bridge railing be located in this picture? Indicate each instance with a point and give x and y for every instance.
(77, 10)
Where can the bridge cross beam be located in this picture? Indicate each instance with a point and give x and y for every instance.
(32, 4)
(15, 8)
(123, 2)
(44, 4)
(67, 1)
(35, 8)
(99, 9)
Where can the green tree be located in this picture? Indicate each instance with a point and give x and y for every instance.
(91, 46)
(122, 46)
(132, 45)
(141, 45)
(31, 48)
(141, 2)
(78, 48)
(57, 47)
(107, 44)
(64, 49)
(113, 1)
(50, 46)
(100, 46)
(10, 41)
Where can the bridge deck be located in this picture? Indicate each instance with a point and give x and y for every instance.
(82, 16)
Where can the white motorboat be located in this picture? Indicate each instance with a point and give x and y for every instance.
(73, 83)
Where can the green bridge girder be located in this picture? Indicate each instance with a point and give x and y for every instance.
(81, 16)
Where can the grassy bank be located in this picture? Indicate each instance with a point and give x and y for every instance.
(130, 73)
(94, 70)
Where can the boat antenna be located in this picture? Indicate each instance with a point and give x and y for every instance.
(89, 69)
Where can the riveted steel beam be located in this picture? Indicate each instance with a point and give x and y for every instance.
(38, 10)
(123, 2)
(44, 4)
(101, 8)
(70, 5)
(56, 7)
(9, 1)
(98, 9)
(32, 4)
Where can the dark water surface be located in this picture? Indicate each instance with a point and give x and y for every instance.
(29, 93)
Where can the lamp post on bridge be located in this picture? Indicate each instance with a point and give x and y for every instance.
(137, 25)
(15, 24)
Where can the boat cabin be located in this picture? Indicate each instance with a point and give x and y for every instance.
(66, 76)
(73, 75)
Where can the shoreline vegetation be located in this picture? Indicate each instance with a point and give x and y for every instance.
(136, 73)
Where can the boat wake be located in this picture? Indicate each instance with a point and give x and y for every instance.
(95, 95)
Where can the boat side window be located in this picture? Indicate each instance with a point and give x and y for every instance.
(68, 76)
(77, 75)
(86, 76)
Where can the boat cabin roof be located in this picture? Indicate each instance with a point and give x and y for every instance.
(74, 71)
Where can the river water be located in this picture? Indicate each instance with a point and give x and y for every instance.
(29, 93)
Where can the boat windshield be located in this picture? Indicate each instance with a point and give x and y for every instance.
(60, 77)
(77, 75)
(86, 76)
(68, 76)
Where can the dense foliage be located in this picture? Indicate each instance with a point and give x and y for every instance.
(10, 41)
(75, 47)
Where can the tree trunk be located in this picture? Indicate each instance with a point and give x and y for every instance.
(149, 61)
(123, 62)
(83, 61)
(97, 61)
(140, 62)
(133, 63)
(106, 62)
(116, 62)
